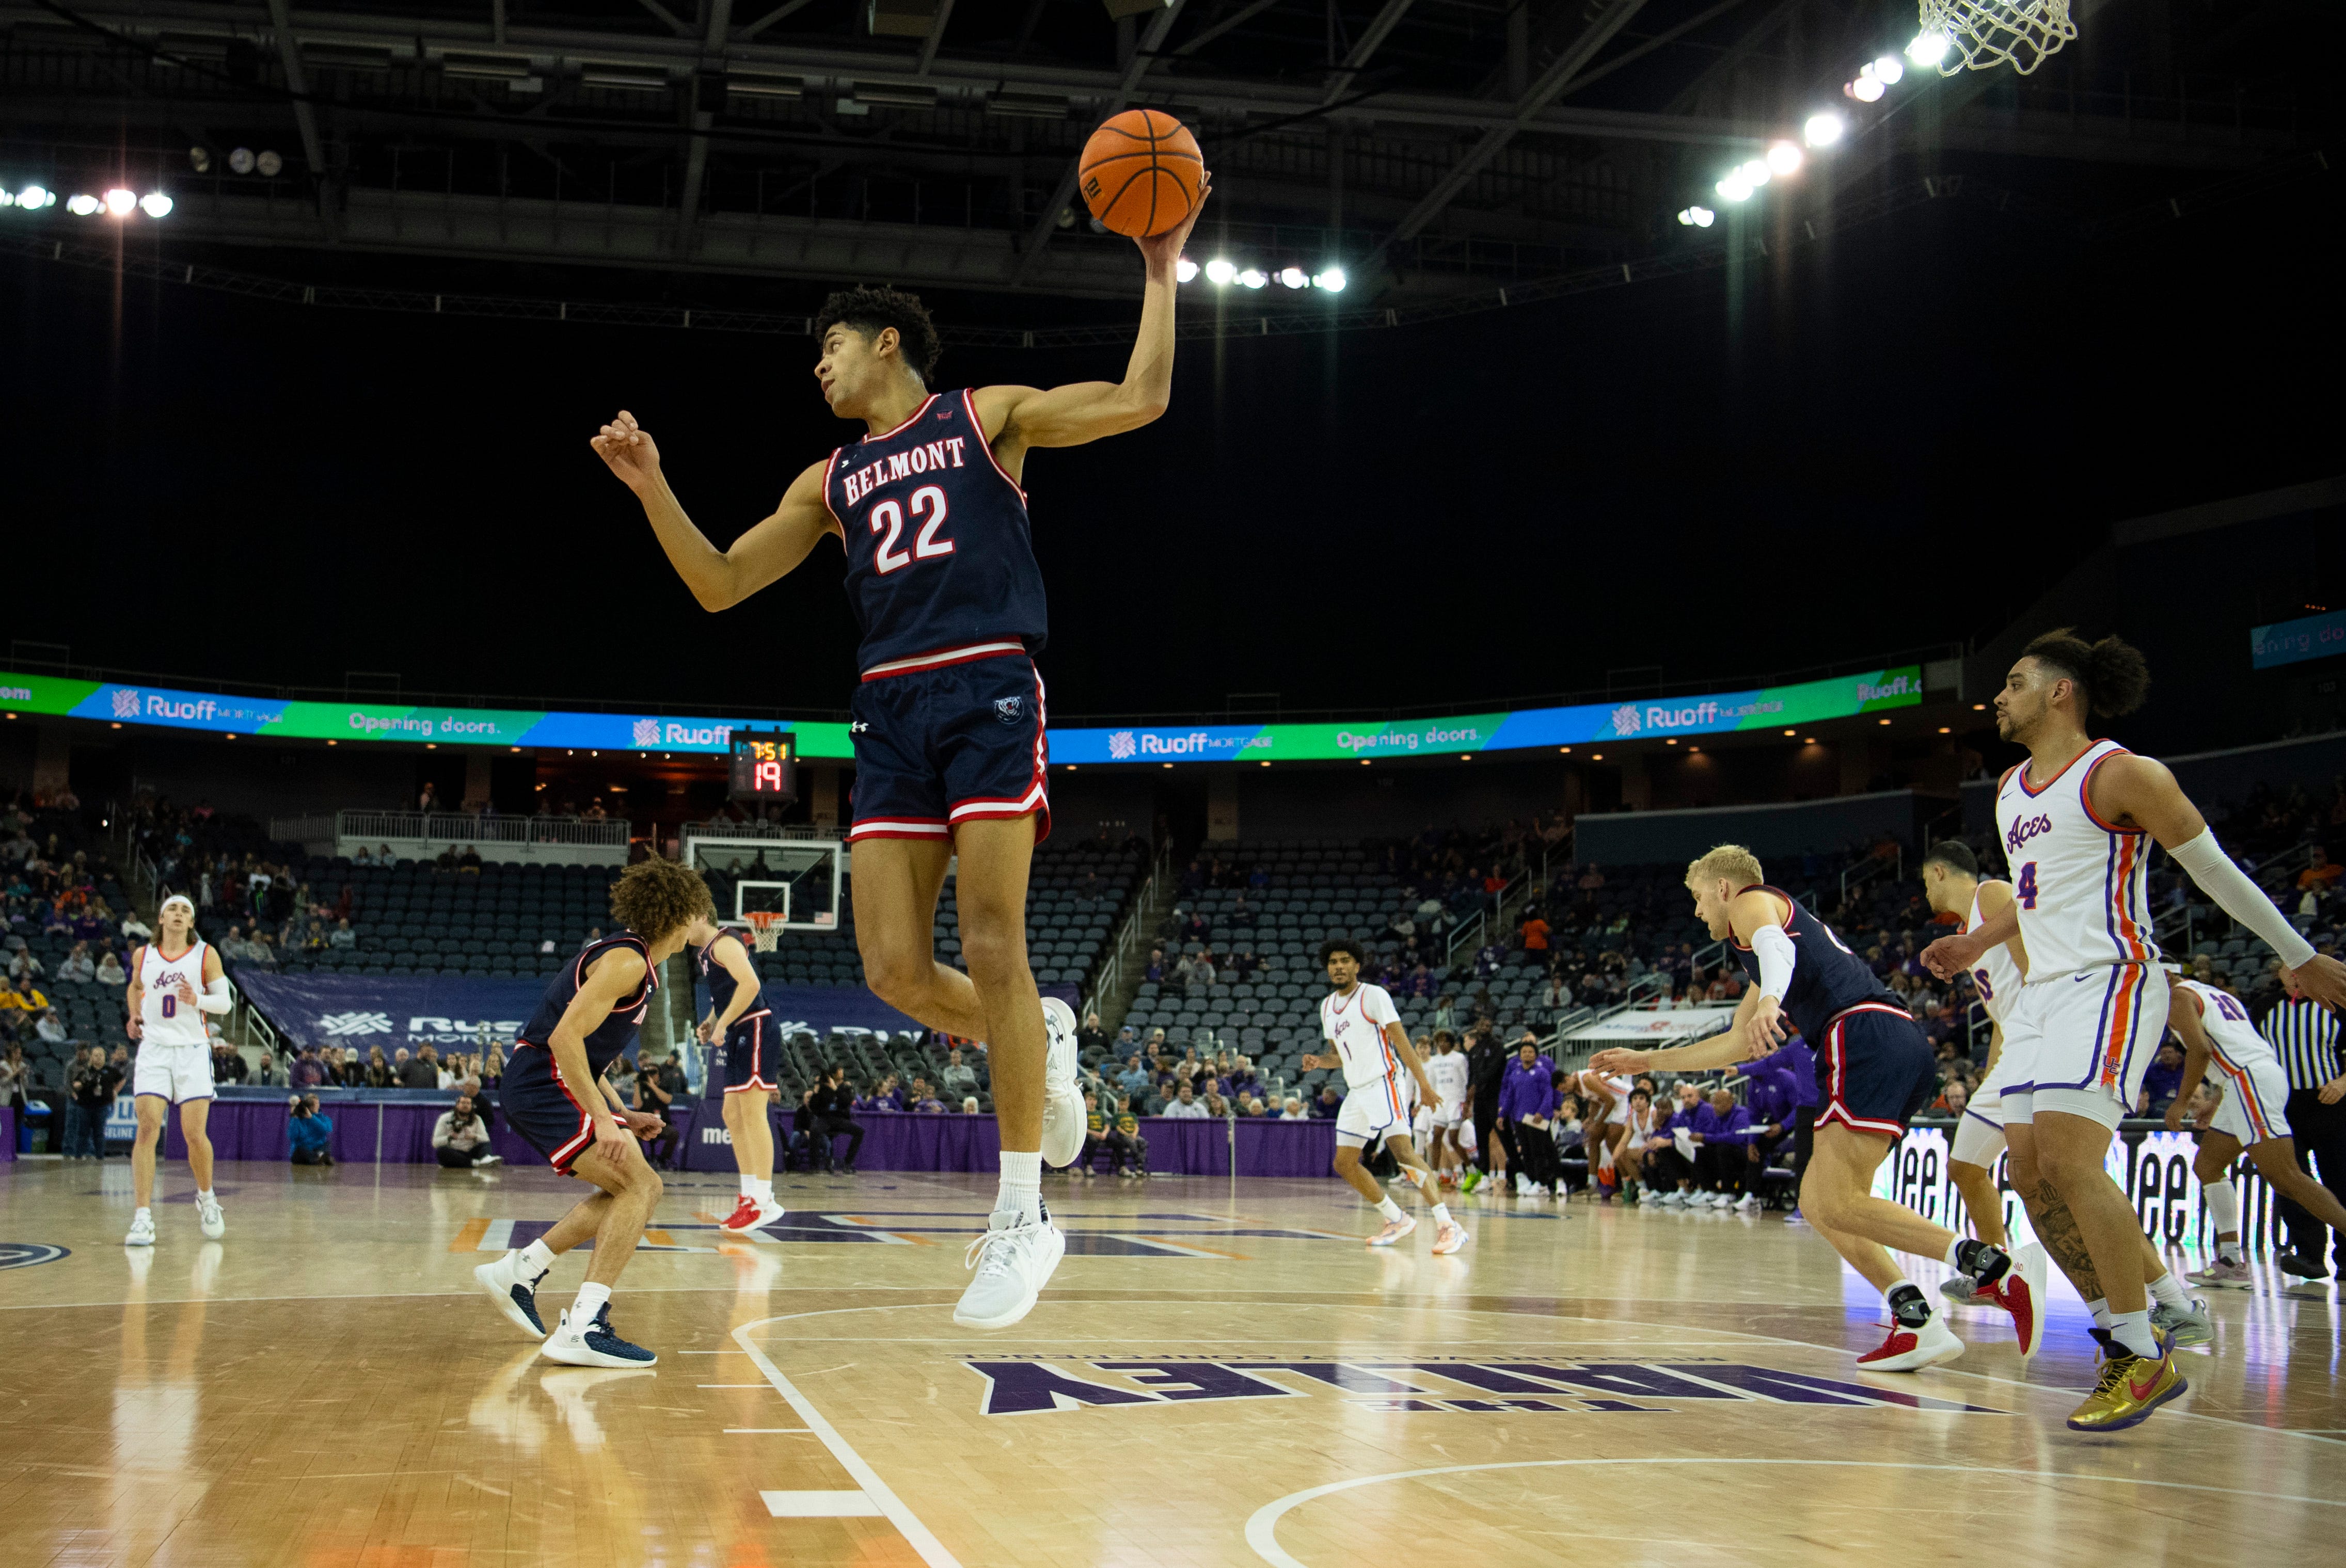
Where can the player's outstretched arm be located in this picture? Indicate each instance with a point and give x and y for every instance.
(2183, 1013)
(1017, 418)
(720, 579)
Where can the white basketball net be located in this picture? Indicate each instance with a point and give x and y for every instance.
(1983, 34)
(765, 929)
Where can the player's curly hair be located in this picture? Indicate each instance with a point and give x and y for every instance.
(2112, 676)
(1336, 944)
(658, 898)
(868, 309)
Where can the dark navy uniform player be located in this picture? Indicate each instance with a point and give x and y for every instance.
(930, 509)
(740, 1034)
(1874, 1070)
(554, 1095)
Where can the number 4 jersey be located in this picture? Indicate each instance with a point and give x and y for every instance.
(2076, 879)
(940, 565)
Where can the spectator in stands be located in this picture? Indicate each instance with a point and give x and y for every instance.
(93, 1085)
(308, 1070)
(379, 1073)
(228, 1063)
(969, 1106)
(1127, 1151)
(352, 1072)
(924, 1102)
(1491, 958)
(78, 965)
(959, 1077)
(1185, 1104)
(414, 1071)
(110, 972)
(311, 1130)
(2161, 1078)
(2321, 875)
(342, 938)
(834, 1104)
(50, 1027)
(1291, 1110)
(1091, 1036)
(25, 997)
(1330, 1101)
(1155, 972)
(460, 1140)
(1769, 1100)
(1536, 935)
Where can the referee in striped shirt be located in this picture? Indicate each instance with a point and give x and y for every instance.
(2305, 1036)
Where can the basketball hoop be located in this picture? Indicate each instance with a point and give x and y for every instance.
(765, 927)
(1979, 35)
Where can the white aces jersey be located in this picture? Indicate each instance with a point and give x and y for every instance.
(1448, 1076)
(1355, 1025)
(1996, 977)
(2231, 1036)
(2077, 880)
(163, 1018)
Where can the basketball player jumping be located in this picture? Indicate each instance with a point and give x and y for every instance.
(1951, 882)
(738, 1032)
(948, 719)
(170, 994)
(2251, 1115)
(2074, 817)
(1372, 1050)
(556, 1097)
(1874, 1071)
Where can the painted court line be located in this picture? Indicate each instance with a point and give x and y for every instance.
(821, 1505)
(1262, 1527)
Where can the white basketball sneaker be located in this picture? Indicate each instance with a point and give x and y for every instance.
(1063, 1102)
(142, 1230)
(593, 1343)
(207, 1214)
(1013, 1259)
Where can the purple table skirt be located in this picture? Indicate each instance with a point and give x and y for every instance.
(256, 1130)
(7, 1134)
(900, 1141)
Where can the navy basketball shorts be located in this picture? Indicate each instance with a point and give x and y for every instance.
(745, 1060)
(952, 736)
(538, 1104)
(1874, 1070)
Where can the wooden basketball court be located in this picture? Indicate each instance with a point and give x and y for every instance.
(1222, 1376)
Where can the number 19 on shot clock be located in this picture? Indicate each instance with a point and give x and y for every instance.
(764, 767)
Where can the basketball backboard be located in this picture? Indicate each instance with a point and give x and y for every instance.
(796, 878)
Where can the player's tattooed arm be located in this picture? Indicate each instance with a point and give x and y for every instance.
(2056, 1227)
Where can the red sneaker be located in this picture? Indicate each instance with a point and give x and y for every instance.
(2021, 1292)
(1912, 1350)
(750, 1214)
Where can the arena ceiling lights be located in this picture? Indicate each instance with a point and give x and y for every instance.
(1223, 274)
(117, 202)
(1824, 129)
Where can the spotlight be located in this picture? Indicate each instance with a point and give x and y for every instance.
(119, 202)
(1331, 279)
(1755, 173)
(1294, 277)
(1929, 47)
(1253, 277)
(240, 160)
(1735, 188)
(1185, 270)
(1823, 130)
(1865, 90)
(1219, 271)
(269, 163)
(155, 204)
(1698, 217)
(32, 199)
(82, 204)
(1784, 157)
(1889, 70)
(200, 159)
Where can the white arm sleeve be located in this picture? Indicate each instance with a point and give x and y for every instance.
(1774, 950)
(2241, 899)
(218, 996)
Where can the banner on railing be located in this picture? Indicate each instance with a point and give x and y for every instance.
(1528, 728)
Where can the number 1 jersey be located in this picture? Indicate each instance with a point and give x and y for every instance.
(938, 553)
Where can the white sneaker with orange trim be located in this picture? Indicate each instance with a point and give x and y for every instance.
(1448, 1238)
(1393, 1231)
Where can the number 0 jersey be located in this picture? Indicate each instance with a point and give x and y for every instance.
(939, 558)
(2076, 879)
(163, 1018)
(1995, 976)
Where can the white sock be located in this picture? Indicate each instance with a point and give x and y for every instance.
(142, 1208)
(2132, 1329)
(532, 1263)
(592, 1298)
(1022, 1184)
(1389, 1209)
(760, 1188)
(1954, 1253)
(749, 1185)
(204, 1195)
(2100, 1307)
(2168, 1291)
(2224, 1208)
(1441, 1214)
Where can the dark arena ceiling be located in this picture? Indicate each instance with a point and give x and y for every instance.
(1435, 150)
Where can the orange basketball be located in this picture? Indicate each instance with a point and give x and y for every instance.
(1140, 172)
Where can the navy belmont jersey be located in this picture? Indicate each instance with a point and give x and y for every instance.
(1826, 978)
(720, 982)
(938, 554)
(609, 1038)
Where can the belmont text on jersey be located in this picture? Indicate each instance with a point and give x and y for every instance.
(940, 563)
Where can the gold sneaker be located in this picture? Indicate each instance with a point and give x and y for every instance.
(2128, 1389)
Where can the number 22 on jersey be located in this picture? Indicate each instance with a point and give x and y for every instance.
(888, 519)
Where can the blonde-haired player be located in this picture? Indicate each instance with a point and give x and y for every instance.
(1374, 1050)
(174, 980)
(2077, 818)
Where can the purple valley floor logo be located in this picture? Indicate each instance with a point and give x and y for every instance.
(25, 1254)
(1027, 1385)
